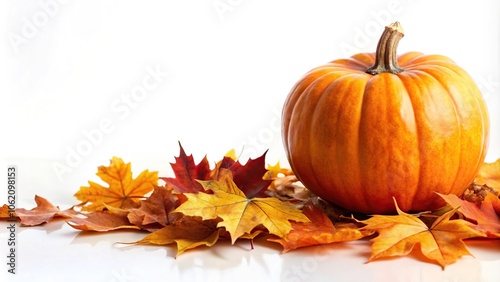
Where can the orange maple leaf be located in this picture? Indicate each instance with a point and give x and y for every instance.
(6, 213)
(43, 212)
(399, 234)
(319, 231)
(239, 214)
(486, 214)
(123, 191)
(489, 174)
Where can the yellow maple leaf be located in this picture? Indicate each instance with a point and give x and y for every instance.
(123, 191)
(399, 234)
(272, 171)
(239, 214)
(489, 174)
(231, 154)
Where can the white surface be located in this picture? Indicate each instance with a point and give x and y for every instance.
(57, 252)
(215, 80)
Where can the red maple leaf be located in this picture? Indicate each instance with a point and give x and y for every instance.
(248, 177)
(187, 172)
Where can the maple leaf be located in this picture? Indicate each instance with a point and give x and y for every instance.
(239, 214)
(485, 214)
(42, 213)
(273, 171)
(123, 191)
(187, 172)
(320, 230)
(489, 174)
(231, 154)
(5, 212)
(102, 221)
(188, 232)
(249, 177)
(399, 234)
(156, 208)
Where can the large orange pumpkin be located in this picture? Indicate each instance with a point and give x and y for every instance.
(362, 130)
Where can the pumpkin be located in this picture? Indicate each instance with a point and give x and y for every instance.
(376, 128)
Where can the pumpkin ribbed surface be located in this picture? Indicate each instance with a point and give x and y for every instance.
(358, 139)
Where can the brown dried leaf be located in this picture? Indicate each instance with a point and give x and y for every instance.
(102, 221)
(156, 209)
(42, 213)
(188, 232)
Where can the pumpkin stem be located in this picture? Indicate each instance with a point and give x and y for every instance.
(386, 59)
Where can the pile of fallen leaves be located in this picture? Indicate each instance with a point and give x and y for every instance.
(232, 201)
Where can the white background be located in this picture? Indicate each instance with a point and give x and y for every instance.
(70, 66)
